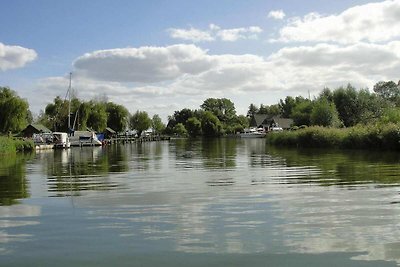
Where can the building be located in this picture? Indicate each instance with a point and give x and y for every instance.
(268, 121)
(32, 129)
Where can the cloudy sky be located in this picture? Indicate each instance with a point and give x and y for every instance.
(161, 56)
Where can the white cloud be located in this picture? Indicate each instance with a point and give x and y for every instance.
(215, 32)
(144, 64)
(145, 77)
(12, 57)
(276, 14)
(232, 35)
(373, 22)
(192, 34)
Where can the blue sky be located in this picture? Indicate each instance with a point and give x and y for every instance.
(162, 56)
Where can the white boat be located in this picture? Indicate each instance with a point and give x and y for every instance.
(253, 133)
(61, 140)
(84, 138)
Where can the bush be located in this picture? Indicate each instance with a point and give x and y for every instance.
(378, 136)
(11, 146)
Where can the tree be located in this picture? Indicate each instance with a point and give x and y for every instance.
(210, 125)
(13, 111)
(140, 122)
(301, 114)
(252, 110)
(180, 130)
(287, 106)
(222, 108)
(389, 91)
(346, 104)
(97, 119)
(193, 126)
(117, 116)
(324, 113)
(157, 124)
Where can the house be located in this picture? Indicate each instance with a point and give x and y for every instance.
(110, 133)
(32, 129)
(268, 121)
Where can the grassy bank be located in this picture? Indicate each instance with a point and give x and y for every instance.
(12, 145)
(378, 136)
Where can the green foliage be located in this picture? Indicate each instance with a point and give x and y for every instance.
(97, 119)
(117, 116)
(252, 110)
(157, 124)
(11, 146)
(140, 122)
(388, 91)
(287, 106)
(324, 113)
(377, 136)
(302, 113)
(193, 126)
(180, 130)
(14, 111)
(222, 108)
(210, 125)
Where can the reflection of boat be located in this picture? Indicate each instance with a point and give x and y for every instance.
(61, 140)
(84, 138)
(253, 133)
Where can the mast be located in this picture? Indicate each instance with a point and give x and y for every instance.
(69, 103)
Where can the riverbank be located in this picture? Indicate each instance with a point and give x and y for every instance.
(377, 137)
(11, 145)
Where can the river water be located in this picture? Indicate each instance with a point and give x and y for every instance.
(221, 202)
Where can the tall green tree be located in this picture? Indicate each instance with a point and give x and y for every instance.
(287, 106)
(157, 124)
(301, 114)
(193, 127)
(140, 122)
(117, 116)
(13, 111)
(211, 125)
(389, 91)
(252, 110)
(324, 113)
(97, 119)
(222, 108)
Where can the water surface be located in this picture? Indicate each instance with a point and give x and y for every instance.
(222, 202)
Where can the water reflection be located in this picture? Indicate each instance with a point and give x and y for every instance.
(223, 197)
(13, 183)
(16, 217)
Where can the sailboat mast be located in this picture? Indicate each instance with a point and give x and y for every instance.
(69, 102)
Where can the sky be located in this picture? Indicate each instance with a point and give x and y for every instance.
(161, 56)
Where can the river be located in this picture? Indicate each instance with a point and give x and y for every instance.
(220, 202)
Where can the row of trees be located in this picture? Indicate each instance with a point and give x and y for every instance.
(216, 116)
(341, 107)
(97, 115)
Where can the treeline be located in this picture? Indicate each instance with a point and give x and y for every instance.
(338, 108)
(341, 107)
(216, 117)
(97, 115)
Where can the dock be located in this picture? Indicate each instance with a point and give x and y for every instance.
(131, 139)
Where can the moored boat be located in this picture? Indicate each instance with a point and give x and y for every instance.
(61, 140)
(84, 138)
(253, 133)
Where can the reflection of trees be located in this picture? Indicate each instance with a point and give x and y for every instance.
(219, 152)
(81, 169)
(343, 167)
(13, 184)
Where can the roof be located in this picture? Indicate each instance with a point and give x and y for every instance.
(266, 120)
(284, 123)
(108, 129)
(39, 127)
